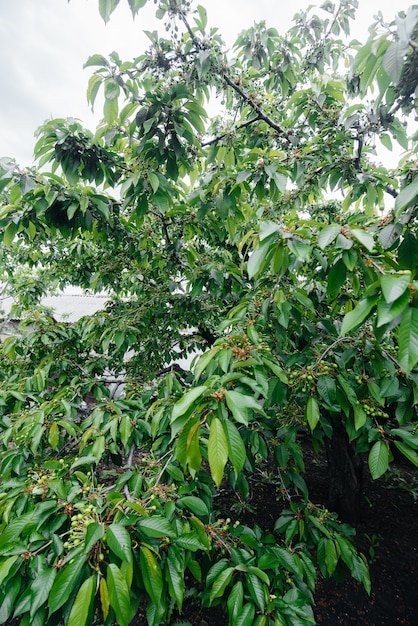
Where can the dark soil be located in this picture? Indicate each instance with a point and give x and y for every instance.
(387, 534)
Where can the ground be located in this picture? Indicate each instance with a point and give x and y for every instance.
(387, 534)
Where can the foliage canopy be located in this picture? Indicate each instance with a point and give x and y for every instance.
(264, 242)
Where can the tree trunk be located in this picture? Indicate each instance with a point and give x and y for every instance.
(345, 476)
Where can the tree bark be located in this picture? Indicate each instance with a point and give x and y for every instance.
(345, 476)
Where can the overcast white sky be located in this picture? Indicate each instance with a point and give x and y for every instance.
(44, 44)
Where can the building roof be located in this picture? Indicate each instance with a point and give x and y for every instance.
(69, 305)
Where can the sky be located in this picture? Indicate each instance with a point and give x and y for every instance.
(44, 44)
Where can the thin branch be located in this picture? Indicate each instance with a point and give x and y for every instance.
(256, 107)
(392, 358)
(338, 11)
(335, 343)
(391, 191)
(239, 127)
(129, 463)
(164, 223)
(160, 475)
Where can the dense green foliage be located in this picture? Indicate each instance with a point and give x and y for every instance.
(267, 240)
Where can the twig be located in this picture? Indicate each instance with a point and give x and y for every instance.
(239, 127)
(255, 107)
(129, 462)
(160, 475)
(335, 343)
(260, 113)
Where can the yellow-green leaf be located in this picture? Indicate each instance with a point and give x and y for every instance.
(118, 595)
(104, 597)
(187, 401)
(54, 435)
(312, 412)
(82, 607)
(217, 450)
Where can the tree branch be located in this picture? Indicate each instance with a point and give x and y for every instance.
(239, 127)
(256, 107)
(260, 113)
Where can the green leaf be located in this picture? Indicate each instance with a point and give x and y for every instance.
(394, 59)
(239, 405)
(234, 602)
(386, 141)
(243, 175)
(327, 235)
(358, 315)
(406, 196)
(409, 435)
(6, 566)
(154, 181)
(408, 252)
(245, 615)
(386, 313)
(9, 233)
(326, 388)
(312, 412)
(84, 460)
(204, 361)
(151, 574)
(331, 557)
(390, 234)
(156, 526)
(238, 409)
(268, 228)
(96, 60)
(260, 257)
(64, 584)
(189, 398)
(94, 533)
(135, 5)
(118, 595)
(82, 608)
(119, 541)
(106, 8)
(408, 339)
(350, 258)
(257, 571)
(257, 590)
(110, 110)
(236, 448)
(378, 459)
(40, 589)
(193, 453)
(104, 597)
(346, 387)
(53, 435)
(194, 504)
(410, 454)
(337, 276)
(360, 416)
(175, 578)
(394, 285)
(220, 583)
(192, 542)
(300, 249)
(217, 450)
(286, 559)
(363, 237)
